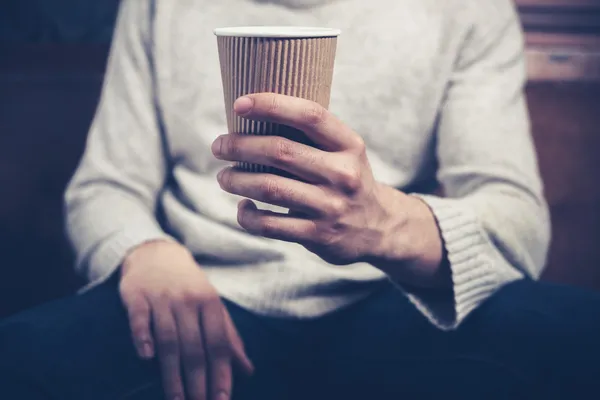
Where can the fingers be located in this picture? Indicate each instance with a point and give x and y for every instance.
(167, 338)
(193, 354)
(138, 311)
(237, 345)
(315, 121)
(219, 350)
(276, 190)
(274, 225)
(305, 162)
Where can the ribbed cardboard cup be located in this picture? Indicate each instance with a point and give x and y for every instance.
(294, 61)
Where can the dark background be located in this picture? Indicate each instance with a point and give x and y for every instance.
(57, 21)
(52, 59)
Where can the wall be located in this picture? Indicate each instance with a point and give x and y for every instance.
(57, 21)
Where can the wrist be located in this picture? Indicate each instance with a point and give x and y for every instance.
(411, 250)
(151, 246)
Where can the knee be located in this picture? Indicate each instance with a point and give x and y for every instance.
(531, 307)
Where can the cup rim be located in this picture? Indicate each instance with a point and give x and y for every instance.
(278, 31)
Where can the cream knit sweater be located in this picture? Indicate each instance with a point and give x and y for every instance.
(433, 86)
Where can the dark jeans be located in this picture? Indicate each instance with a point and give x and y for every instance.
(528, 341)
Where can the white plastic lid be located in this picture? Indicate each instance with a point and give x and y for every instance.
(278, 32)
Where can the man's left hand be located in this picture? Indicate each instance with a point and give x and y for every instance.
(337, 208)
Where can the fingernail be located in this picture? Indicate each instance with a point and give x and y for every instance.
(243, 105)
(147, 350)
(220, 174)
(216, 146)
(222, 396)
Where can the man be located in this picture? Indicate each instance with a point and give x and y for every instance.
(372, 287)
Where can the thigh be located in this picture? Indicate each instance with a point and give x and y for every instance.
(527, 339)
(80, 348)
(547, 333)
(384, 348)
(283, 368)
(74, 348)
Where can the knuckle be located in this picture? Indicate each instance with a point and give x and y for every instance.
(359, 144)
(164, 296)
(326, 237)
(212, 299)
(267, 227)
(198, 297)
(212, 304)
(135, 303)
(190, 298)
(271, 189)
(313, 233)
(273, 104)
(284, 150)
(337, 206)
(349, 178)
(230, 145)
(314, 114)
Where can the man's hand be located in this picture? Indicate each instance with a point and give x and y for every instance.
(175, 312)
(337, 208)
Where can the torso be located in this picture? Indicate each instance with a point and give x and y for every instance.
(390, 77)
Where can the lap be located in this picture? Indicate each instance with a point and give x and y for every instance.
(529, 337)
(80, 347)
(75, 347)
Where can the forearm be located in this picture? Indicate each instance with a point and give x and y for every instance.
(104, 223)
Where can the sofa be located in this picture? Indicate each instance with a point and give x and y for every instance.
(48, 96)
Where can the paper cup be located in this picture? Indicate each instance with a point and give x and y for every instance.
(294, 61)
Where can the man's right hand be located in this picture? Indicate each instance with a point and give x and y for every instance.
(176, 313)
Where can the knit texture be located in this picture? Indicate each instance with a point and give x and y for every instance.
(434, 87)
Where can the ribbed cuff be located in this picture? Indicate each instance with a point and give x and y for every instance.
(477, 268)
(107, 258)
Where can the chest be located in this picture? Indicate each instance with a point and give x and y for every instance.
(386, 86)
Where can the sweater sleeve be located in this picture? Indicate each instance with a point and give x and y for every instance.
(110, 201)
(493, 219)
